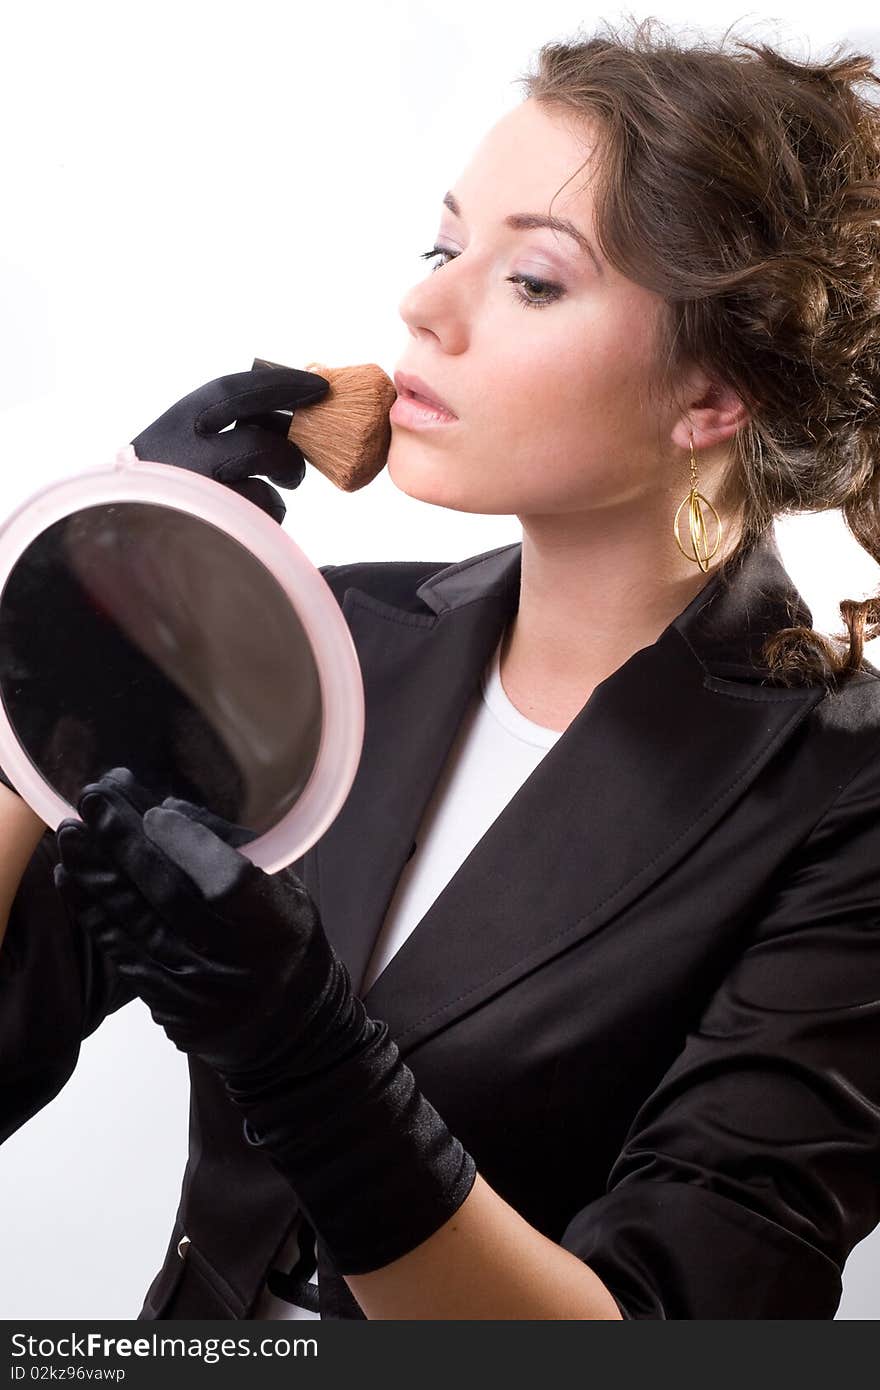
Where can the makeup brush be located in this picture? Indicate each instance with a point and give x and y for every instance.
(346, 435)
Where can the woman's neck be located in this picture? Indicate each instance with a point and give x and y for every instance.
(589, 599)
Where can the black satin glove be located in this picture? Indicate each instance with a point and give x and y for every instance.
(192, 433)
(235, 965)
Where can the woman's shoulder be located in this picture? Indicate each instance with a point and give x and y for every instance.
(855, 703)
(842, 734)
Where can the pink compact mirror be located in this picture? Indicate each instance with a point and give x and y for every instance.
(153, 619)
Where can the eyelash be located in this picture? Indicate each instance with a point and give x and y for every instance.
(554, 291)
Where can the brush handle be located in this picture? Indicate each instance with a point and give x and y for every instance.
(291, 415)
(264, 362)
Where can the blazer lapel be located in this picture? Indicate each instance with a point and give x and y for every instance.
(655, 757)
(419, 671)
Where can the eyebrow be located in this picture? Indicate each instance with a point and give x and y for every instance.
(524, 221)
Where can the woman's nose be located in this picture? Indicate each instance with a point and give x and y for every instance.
(441, 310)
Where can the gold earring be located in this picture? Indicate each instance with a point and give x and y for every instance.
(701, 555)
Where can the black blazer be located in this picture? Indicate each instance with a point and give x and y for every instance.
(648, 1002)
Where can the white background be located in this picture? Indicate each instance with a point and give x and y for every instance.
(186, 186)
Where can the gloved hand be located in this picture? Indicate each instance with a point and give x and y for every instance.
(189, 433)
(235, 965)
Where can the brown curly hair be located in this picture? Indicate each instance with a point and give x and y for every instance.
(743, 186)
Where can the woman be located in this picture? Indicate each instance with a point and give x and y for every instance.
(575, 1015)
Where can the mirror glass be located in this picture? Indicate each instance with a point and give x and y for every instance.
(141, 636)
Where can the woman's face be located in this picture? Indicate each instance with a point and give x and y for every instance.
(548, 381)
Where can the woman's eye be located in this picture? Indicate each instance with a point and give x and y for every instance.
(436, 251)
(540, 287)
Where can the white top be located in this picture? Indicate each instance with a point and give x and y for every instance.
(494, 751)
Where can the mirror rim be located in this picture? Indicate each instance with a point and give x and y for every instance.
(130, 479)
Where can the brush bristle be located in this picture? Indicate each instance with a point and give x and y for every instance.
(347, 434)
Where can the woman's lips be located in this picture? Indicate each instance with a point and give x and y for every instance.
(417, 414)
(410, 385)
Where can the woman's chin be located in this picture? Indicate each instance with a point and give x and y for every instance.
(425, 479)
(441, 481)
